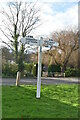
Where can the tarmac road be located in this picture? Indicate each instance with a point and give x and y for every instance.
(47, 81)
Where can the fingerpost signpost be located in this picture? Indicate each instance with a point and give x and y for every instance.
(38, 42)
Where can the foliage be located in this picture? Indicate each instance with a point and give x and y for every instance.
(72, 72)
(9, 70)
(53, 68)
(57, 101)
(30, 69)
(7, 54)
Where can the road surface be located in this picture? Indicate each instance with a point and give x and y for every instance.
(47, 81)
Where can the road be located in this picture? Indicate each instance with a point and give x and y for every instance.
(47, 81)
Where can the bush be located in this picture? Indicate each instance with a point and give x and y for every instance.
(9, 70)
(50, 74)
(29, 75)
(29, 69)
(78, 73)
(72, 72)
(53, 68)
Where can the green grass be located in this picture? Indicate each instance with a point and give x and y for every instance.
(57, 101)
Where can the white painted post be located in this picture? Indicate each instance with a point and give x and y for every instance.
(39, 70)
(18, 78)
(39, 43)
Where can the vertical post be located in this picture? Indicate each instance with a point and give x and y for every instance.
(39, 69)
(17, 78)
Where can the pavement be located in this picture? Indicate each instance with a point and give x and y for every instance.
(46, 81)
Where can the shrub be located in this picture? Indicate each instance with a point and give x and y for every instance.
(53, 68)
(29, 69)
(29, 75)
(50, 74)
(9, 70)
(72, 72)
(78, 73)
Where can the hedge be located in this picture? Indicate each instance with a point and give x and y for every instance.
(9, 70)
(72, 72)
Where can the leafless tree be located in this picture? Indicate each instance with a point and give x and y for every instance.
(67, 44)
(18, 21)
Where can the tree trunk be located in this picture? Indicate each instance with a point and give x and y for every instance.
(66, 61)
(63, 68)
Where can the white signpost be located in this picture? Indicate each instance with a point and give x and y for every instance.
(34, 42)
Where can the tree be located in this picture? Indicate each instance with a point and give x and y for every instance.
(18, 21)
(73, 60)
(7, 55)
(67, 44)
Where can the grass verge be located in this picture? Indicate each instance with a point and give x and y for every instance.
(57, 101)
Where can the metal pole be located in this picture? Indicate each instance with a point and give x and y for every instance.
(39, 70)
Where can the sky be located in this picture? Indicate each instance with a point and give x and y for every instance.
(55, 15)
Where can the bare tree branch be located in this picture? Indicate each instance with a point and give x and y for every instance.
(18, 21)
(68, 43)
(7, 44)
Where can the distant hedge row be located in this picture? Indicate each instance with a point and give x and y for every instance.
(30, 70)
(72, 72)
(10, 70)
(69, 72)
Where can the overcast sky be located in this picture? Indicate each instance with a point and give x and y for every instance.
(54, 15)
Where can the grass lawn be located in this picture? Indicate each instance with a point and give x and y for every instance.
(57, 101)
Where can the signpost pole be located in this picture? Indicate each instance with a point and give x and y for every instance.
(39, 69)
(39, 43)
